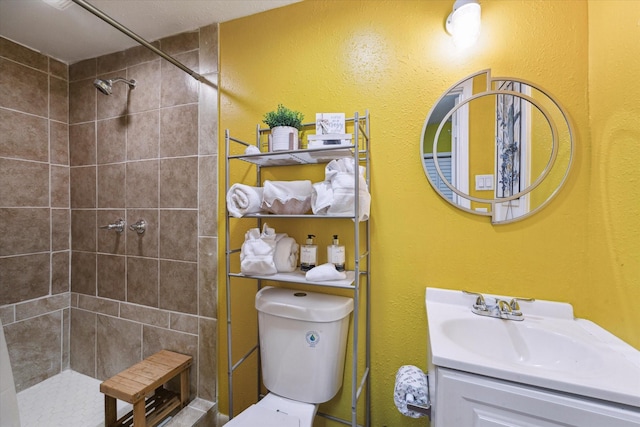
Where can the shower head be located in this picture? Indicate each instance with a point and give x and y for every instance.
(106, 85)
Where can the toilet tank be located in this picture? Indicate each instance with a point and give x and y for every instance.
(303, 338)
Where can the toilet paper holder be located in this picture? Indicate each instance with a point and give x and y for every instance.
(423, 409)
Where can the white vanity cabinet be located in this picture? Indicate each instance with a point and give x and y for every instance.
(547, 369)
(470, 400)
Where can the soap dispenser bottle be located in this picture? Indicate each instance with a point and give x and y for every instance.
(336, 254)
(308, 254)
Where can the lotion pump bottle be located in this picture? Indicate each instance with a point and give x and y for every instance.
(308, 254)
(336, 254)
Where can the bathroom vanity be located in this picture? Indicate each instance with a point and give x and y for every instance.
(547, 369)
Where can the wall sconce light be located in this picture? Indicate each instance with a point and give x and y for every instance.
(464, 23)
(59, 4)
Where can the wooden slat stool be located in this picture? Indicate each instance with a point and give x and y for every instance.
(142, 386)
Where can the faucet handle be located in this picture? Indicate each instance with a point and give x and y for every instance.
(514, 303)
(480, 303)
(139, 227)
(503, 306)
(118, 226)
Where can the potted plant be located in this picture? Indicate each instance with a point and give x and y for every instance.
(285, 125)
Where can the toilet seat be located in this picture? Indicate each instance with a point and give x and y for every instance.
(255, 415)
(276, 411)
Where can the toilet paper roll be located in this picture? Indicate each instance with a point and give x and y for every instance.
(411, 387)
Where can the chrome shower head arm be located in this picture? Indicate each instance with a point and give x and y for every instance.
(131, 83)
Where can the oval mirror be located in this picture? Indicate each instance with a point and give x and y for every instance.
(498, 147)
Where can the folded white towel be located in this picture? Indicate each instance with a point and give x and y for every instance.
(325, 272)
(243, 199)
(411, 387)
(321, 197)
(286, 255)
(335, 195)
(343, 189)
(258, 250)
(287, 197)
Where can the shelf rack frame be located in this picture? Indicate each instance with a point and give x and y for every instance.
(360, 152)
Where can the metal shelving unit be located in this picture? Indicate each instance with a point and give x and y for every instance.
(357, 281)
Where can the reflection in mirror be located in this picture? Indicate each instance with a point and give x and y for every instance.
(497, 147)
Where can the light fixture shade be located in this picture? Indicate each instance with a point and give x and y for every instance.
(464, 22)
(59, 4)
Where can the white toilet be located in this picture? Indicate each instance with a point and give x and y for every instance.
(303, 338)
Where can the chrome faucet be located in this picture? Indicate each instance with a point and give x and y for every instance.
(501, 309)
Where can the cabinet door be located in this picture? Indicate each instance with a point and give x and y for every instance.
(467, 400)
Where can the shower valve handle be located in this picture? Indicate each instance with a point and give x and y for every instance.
(118, 226)
(139, 227)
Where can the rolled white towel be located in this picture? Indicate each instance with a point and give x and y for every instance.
(325, 272)
(286, 255)
(243, 199)
(287, 197)
(411, 387)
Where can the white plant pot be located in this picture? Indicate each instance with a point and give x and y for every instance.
(283, 138)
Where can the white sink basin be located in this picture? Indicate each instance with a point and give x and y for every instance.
(549, 348)
(523, 343)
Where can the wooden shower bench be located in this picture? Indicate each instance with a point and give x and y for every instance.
(142, 386)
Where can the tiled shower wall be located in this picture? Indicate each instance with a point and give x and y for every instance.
(34, 212)
(145, 153)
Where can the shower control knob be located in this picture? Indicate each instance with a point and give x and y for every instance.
(118, 226)
(139, 227)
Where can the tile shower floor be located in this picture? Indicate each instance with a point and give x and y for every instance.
(68, 399)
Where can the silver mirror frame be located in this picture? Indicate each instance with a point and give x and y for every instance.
(544, 174)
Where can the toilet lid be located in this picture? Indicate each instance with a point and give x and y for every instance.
(256, 415)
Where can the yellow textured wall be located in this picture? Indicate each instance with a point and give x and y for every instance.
(395, 59)
(614, 199)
